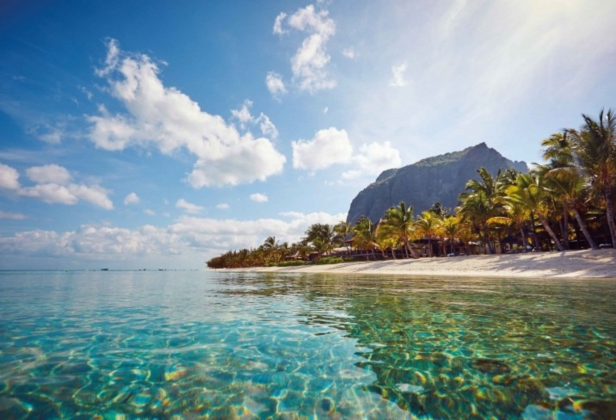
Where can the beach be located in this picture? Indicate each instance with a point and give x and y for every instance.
(568, 264)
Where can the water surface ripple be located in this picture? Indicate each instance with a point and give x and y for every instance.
(124, 345)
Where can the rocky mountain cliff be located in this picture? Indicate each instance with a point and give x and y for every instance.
(440, 178)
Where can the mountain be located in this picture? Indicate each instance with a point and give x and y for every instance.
(440, 178)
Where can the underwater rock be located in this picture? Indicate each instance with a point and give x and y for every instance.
(491, 366)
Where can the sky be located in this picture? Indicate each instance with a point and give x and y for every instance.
(151, 134)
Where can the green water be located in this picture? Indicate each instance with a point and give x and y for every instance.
(195, 345)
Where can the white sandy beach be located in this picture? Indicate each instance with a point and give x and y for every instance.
(568, 264)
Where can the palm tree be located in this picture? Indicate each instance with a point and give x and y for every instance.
(428, 225)
(343, 230)
(450, 227)
(482, 201)
(569, 185)
(398, 222)
(595, 151)
(364, 235)
(532, 193)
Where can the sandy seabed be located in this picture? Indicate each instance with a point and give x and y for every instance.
(568, 264)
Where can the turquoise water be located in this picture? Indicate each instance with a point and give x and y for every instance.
(191, 345)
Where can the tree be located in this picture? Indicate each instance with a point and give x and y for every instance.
(532, 193)
(428, 225)
(595, 151)
(398, 222)
(364, 235)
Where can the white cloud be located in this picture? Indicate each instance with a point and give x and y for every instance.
(373, 159)
(131, 198)
(326, 148)
(9, 177)
(278, 24)
(12, 216)
(349, 53)
(310, 60)
(52, 185)
(245, 118)
(325, 110)
(397, 75)
(166, 118)
(54, 174)
(222, 206)
(150, 212)
(243, 114)
(258, 197)
(188, 207)
(267, 126)
(69, 194)
(275, 85)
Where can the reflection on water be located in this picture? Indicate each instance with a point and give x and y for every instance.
(240, 345)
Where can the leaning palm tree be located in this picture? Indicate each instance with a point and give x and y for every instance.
(398, 222)
(532, 193)
(570, 186)
(595, 151)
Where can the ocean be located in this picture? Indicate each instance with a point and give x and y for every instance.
(219, 344)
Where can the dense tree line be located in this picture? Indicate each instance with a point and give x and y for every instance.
(564, 202)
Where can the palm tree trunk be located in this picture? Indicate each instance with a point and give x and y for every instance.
(547, 227)
(411, 250)
(393, 253)
(585, 231)
(486, 239)
(610, 215)
(523, 238)
(565, 229)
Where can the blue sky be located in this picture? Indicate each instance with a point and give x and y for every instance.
(146, 134)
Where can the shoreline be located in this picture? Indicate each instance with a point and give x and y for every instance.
(568, 264)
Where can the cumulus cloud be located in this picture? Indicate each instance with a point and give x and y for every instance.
(373, 159)
(332, 146)
(189, 235)
(258, 197)
(150, 212)
(275, 85)
(53, 185)
(48, 174)
(9, 177)
(131, 198)
(222, 206)
(169, 120)
(398, 74)
(326, 148)
(310, 60)
(188, 207)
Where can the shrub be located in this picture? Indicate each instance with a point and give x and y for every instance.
(329, 260)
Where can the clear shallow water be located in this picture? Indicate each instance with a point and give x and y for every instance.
(242, 345)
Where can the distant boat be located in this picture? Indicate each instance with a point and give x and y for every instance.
(160, 269)
(104, 269)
